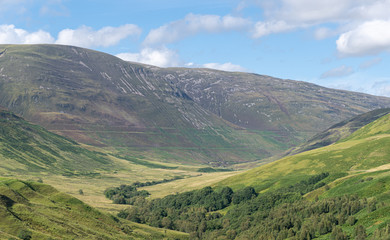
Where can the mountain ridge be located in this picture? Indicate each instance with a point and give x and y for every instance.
(197, 115)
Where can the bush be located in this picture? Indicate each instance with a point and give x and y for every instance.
(24, 234)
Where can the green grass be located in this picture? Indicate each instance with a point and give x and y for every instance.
(34, 149)
(42, 211)
(361, 151)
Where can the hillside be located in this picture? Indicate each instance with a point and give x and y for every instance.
(28, 151)
(30, 210)
(174, 114)
(364, 150)
(339, 131)
(27, 148)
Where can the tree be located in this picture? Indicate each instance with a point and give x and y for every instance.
(338, 234)
(360, 233)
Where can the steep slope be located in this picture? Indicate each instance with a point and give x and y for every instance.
(289, 109)
(339, 131)
(27, 148)
(31, 210)
(196, 115)
(99, 99)
(364, 150)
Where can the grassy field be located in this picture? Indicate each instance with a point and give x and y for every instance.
(31, 210)
(126, 172)
(188, 184)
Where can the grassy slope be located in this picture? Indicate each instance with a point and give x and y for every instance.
(358, 165)
(365, 149)
(339, 131)
(47, 213)
(27, 148)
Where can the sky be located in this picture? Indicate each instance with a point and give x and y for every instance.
(342, 44)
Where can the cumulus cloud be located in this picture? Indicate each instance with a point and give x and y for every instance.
(161, 57)
(104, 37)
(369, 38)
(362, 25)
(265, 28)
(12, 35)
(225, 67)
(193, 24)
(82, 37)
(341, 71)
(287, 15)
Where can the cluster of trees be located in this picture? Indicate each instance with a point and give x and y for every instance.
(151, 183)
(226, 214)
(197, 212)
(262, 218)
(125, 194)
(128, 194)
(209, 170)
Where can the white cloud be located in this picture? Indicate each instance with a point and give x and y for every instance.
(341, 71)
(309, 11)
(11, 35)
(363, 25)
(369, 38)
(323, 32)
(162, 57)
(82, 37)
(288, 15)
(193, 24)
(105, 37)
(225, 67)
(265, 28)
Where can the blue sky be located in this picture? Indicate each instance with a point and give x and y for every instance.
(335, 43)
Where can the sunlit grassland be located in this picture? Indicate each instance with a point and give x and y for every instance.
(183, 185)
(42, 212)
(365, 149)
(125, 172)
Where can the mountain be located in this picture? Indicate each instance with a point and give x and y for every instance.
(173, 114)
(27, 148)
(30, 210)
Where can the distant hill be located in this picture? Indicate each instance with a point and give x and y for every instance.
(339, 131)
(365, 150)
(176, 114)
(30, 210)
